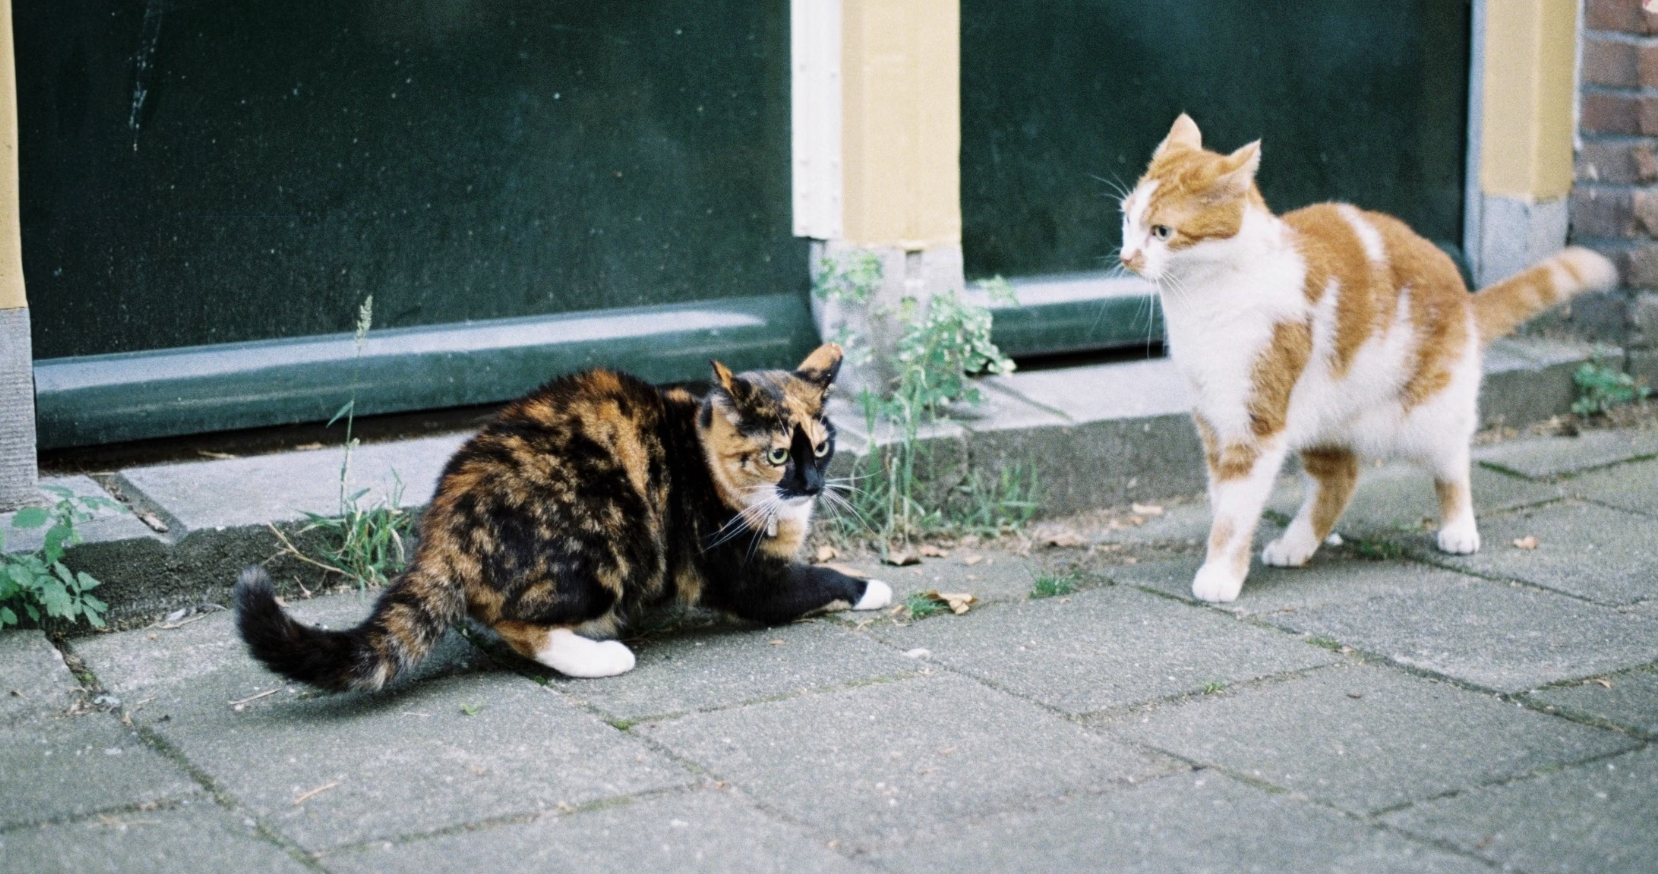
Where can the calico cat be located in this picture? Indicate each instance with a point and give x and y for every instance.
(1333, 332)
(585, 505)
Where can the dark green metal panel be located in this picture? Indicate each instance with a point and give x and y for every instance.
(1064, 100)
(128, 396)
(1074, 313)
(212, 171)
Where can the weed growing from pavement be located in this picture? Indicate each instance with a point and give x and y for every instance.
(1324, 642)
(364, 542)
(920, 606)
(38, 583)
(1601, 389)
(942, 345)
(1213, 687)
(1050, 583)
(1380, 550)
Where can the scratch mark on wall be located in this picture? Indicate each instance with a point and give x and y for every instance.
(144, 63)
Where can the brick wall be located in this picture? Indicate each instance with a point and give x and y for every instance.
(1614, 206)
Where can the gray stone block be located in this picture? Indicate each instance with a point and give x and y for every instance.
(405, 761)
(197, 837)
(1542, 457)
(1332, 577)
(1630, 700)
(996, 576)
(1529, 379)
(729, 666)
(1104, 649)
(1202, 821)
(108, 524)
(890, 758)
(34, 681)
(709, 831)
(17, 411)
(1582, 549)
(254, 491)
(1632, 487)
(58, 767)
(1594, 817)
(1367, 739)
(1488, 634)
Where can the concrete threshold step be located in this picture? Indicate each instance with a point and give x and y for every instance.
(1098, 435)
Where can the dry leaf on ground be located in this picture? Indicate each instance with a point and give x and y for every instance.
(1146, 509)
(1604, 682)
(972, 560)
(901, 558)
(931, 551)
(1065, 540)
(1526, 542)
(958, 602)
(825, 553)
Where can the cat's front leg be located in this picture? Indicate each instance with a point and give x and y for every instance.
(1241, 474)
(790, 591)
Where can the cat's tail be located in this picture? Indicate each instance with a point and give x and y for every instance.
(1501, 308)
(408, 620)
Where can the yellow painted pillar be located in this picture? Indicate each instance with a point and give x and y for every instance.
(17, 401)
(901, 122)
(878, 154)
(1527, 89)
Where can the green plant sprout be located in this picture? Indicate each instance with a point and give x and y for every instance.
(38, 583)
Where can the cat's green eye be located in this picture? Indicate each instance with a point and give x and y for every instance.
(1162, 232)
(778, 456)
(821, 449)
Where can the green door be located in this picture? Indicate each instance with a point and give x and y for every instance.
(210, 188)
(1062, 103)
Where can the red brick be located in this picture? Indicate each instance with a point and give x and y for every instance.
(1646, 66)
(1611, 62)
(1621, 162)
(1611, 114)
(1602, 211)
(1644, 206)
(1640, 267)
(1620, 15)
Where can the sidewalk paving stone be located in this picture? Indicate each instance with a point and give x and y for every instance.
(1103, 649)
(60, 766)
(1586, 550)
(1543, 457)
(1597, 817)
(34, 681)
(1195, 822)
(1366, 738)
(1397, 498)
(709, 830)
(728, 666)
(1632, 487)
(196, 836)
(883, 759)
(1631, 702)
(108, 523)
(405, 761)
(995, 577)
(1498, 636)
(1332, 577)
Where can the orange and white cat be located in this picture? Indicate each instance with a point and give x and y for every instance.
(1332, 332)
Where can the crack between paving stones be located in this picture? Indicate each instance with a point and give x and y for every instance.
(1533, 774)
(162, 747)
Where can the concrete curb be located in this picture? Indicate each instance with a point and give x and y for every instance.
(1098, 435)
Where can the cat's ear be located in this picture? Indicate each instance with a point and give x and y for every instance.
(733, 386)
(1184, 135)
(1237, 170)
(822, 366)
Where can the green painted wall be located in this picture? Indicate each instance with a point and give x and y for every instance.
(213, 171)
(1064, 100)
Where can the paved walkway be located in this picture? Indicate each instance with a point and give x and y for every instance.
(1386, 709)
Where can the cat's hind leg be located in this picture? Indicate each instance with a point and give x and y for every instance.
(1331, 475)
(565, 651)
(1459, 534)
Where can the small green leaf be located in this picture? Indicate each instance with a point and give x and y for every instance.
(7, 617)
(471, 709)
(348, 407)
(31, 517)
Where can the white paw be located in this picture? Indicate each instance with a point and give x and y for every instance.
(1289, 550)
(876, 595)
(1216, 585)
(1459, 538)
(575, 656)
